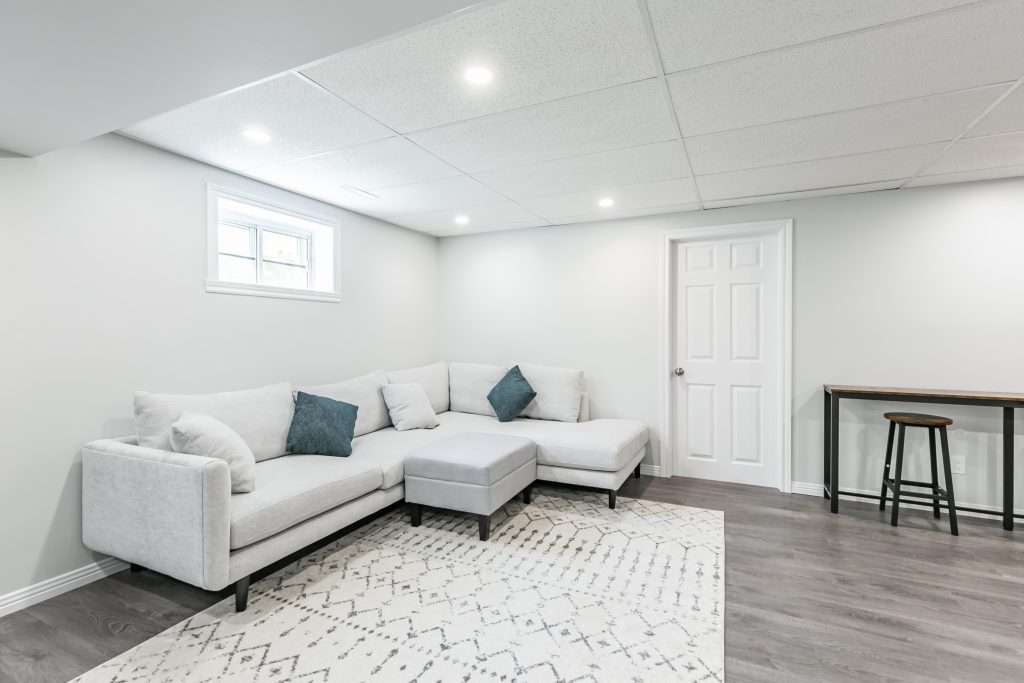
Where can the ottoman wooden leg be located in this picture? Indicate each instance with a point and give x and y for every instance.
(416, 513)
(485, 526)
(528, 494)
(611, 499)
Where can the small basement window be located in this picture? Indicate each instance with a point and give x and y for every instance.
(263, 249)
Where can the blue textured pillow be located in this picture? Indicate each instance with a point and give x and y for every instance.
(322, 426)
(511, 395)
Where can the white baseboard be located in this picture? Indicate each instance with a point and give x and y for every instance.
(804, 488)
(809, 489)
(652, 470)
(25, 597)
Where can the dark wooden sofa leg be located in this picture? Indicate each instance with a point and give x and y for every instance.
(636, 472)
(242, 593)
(135, 568)
(415, 513)
(528, 494)
(611, 498)
(485, 526)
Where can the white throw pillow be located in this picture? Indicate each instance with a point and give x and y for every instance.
(559, 391)
(433, 378)
(362, 392)
(260, 416)
(470, 383)
(198, 434)
(409, 407)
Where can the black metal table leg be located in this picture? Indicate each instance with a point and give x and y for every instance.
(833, 464)
(1008, 469)
(828, 439)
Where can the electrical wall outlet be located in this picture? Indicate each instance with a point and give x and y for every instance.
(958, 464)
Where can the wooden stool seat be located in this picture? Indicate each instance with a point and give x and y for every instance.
(918, 419)
(894, 481)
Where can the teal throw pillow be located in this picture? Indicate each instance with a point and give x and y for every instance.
(511, 395)
(322, 426)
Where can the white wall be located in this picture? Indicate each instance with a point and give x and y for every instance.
(920, 288)
(102, 294)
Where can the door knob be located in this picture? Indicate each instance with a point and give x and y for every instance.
(679, 372)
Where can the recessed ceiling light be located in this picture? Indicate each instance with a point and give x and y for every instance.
(462, 219)
(478, 75)
(605, 202)
(256, 135)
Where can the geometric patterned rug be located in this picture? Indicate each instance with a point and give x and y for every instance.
(564, 590)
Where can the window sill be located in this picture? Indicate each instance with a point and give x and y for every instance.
(221, 287)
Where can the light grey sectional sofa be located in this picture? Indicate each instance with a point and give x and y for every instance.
(175, 513)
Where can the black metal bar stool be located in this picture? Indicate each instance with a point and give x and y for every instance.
(896, 484)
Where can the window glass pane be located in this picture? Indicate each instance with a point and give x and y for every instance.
(232, 239)
(236, 269)
(286, 248)
(279, 275)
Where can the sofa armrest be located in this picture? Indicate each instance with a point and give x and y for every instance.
(584, 408)
(166, 511)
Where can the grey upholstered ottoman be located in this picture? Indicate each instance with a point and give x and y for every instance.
(475, 473)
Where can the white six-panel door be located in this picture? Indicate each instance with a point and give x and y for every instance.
(728, 341)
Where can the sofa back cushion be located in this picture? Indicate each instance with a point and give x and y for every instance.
(260, 416)
(559, 392)
(433, 378)
(470, 383)
(362, 392)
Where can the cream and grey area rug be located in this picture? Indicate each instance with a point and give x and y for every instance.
(565, 590)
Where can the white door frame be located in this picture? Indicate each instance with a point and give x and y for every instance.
(669, 239)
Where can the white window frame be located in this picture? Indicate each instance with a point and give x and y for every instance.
(324, 252)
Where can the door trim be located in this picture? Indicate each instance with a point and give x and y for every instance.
(669, 239)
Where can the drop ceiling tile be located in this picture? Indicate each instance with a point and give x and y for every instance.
(382, 163)
(486, 216)
(632, 213)
(538, 50)
(898, 124)
(968, 176)
(935, 54)
(629, 197)
(804, 194)
(692, 34)
(460, 192)
(658, 161)
(1007, 117)
(978, 153)
(625, 116)
(301, 119)
(820, 174)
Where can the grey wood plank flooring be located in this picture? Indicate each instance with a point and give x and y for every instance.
(810, 596)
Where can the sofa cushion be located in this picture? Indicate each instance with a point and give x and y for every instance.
(363, 392)
(433, 378)
(322, 426)
(260, 416)
(559, 391)
(409, 407)
(510, 395)
(295, 488)
(470, 384)
(198, 434)
(604, 444)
